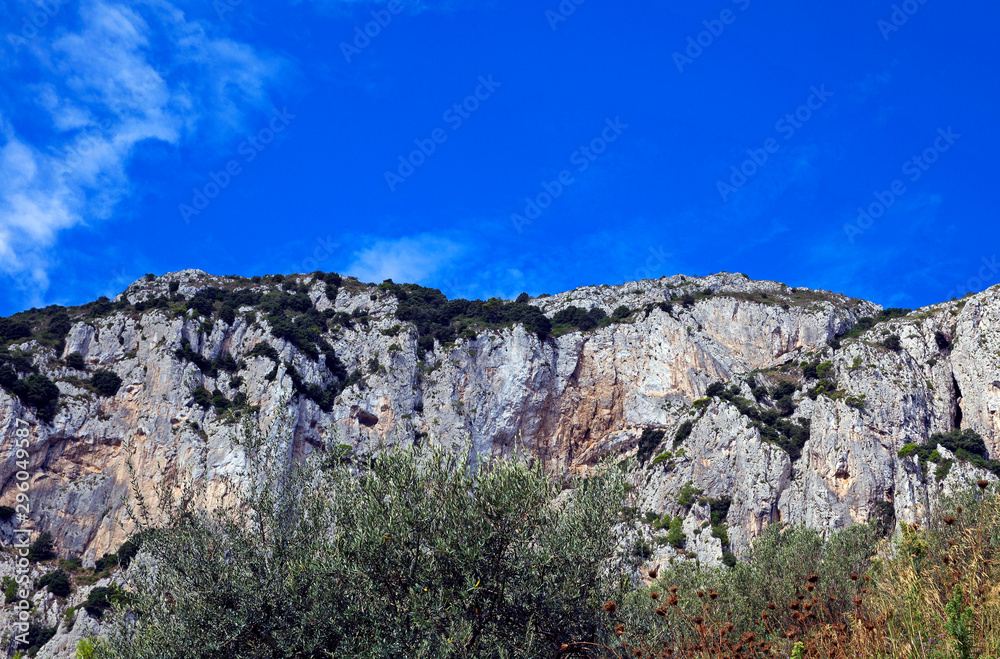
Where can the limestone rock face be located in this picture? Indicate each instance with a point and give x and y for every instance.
(572, 399)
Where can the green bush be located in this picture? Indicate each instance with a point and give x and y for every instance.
(687, 494)
(219, 400)
(621, 312)
(57, 583)
(39, 392)
(891, 342)
(7, 512)
(106, 382)
(648, 441)
(101, 599)
(37, 637)
(675, 536)
(8, 376)
(416, 553)
(9, 589)
(75, 360)
(265, 350)
(71, 565)
(444, 320)
(683, 432)
(11, 330)
(202, 397)
(967, 446)
(41, 549)
(857, 402)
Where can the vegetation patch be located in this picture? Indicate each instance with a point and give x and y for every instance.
(648, 441)
(867, 322)
(967, 446)
(772, 423)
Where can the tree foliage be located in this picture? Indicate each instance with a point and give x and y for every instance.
(411, 552)
(106, 382)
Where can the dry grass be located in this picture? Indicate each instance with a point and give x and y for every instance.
(931, 593)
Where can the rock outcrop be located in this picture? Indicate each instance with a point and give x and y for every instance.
(573, 399)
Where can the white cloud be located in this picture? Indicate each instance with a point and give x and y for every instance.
(406, 260)
(128, 74)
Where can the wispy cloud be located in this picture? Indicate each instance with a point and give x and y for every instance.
(125, 75)
(410, 259)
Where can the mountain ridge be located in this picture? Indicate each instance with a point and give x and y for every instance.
(190, 363)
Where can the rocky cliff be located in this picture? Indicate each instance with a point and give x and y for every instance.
(750, 399)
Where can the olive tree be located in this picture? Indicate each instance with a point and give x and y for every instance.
(417, 552)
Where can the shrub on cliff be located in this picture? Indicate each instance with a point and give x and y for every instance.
(106, 382)
(892, 342)
(57, 583)
(11, 330)
(41, 549)
(75, 360)
(412, 552)
(39, 392)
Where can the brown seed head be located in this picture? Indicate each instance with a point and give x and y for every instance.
(610, 606)
(563, 647)
(959, 510)
(983, 484)
(673, 600)
(854, 577)
(654, 595)
(700, 594)
(812, 578)
(948, 519)
(619, 629)
(810, 587)
(661, 611)
(712, 594)
(654, 572)
(672, 589)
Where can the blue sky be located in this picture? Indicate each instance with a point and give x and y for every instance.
(488, 149)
